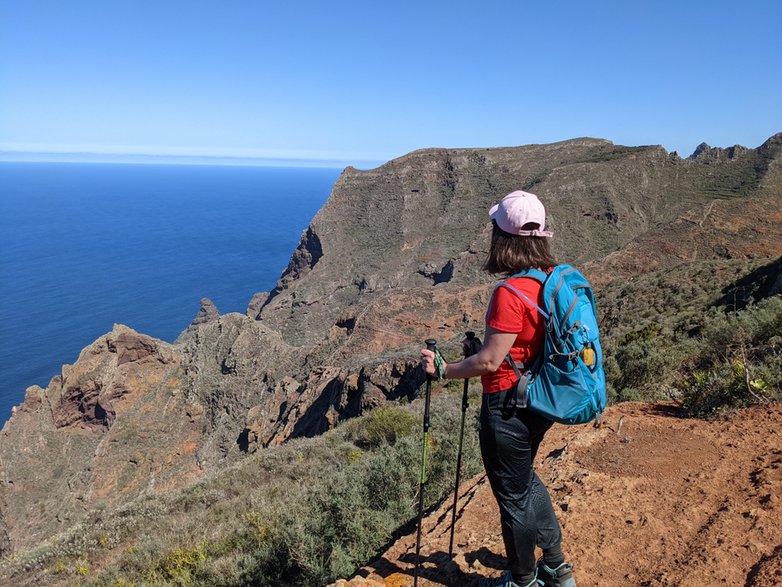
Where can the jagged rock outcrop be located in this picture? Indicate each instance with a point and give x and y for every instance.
(706, 154)
(307, 254)
(207, 312)
(392, 258)
(106, 428)
(256, 303)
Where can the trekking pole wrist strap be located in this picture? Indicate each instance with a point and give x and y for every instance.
(439, 365)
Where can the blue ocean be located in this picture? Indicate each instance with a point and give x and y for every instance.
(84, 246)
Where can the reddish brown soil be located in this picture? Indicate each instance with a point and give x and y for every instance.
(666, 502)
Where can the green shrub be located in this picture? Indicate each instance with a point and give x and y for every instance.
(659, 329)
(386, 424)
(341, 523)
(740, 360)
(178, 566)
(705, 392)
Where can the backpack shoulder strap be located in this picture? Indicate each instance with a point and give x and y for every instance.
(524, 297)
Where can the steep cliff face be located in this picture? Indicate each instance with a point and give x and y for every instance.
(392, 258)
(420, 220)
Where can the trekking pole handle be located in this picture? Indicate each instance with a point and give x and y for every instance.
(469, 349)
(469, 344)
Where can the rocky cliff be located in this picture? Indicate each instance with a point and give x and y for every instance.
(392, 258)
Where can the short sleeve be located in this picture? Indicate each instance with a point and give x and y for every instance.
(506, 311)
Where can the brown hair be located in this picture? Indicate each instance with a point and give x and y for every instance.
(511, 253)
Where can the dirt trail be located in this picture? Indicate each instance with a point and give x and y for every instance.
(666, 502)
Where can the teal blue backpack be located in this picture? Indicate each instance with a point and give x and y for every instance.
(566, 383)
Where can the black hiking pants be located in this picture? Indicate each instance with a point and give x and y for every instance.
(510, 438)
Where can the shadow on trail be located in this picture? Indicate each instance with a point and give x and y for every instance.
(439, 568)
(668, 409)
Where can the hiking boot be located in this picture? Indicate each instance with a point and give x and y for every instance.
(506, 580)
(562, 576)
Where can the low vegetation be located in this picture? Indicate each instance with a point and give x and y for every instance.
(703, 335)
(303, 513)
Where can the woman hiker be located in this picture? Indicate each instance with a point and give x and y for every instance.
(510, 436)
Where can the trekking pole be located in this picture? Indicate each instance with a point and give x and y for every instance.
(471, 346)
(432, 346)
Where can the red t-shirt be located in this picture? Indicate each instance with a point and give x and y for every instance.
(510, 313)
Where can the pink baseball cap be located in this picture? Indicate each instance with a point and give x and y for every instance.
(517, 209)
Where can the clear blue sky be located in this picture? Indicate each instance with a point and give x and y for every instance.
(374, 80)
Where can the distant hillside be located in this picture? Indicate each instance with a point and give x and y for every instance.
(684, 252)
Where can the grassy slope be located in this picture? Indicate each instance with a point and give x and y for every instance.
(298, 514)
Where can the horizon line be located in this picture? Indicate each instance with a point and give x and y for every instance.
(54, 156)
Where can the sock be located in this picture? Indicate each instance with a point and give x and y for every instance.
(553, 556)
(523, 580)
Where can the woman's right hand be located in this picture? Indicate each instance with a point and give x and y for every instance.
(427, 362)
